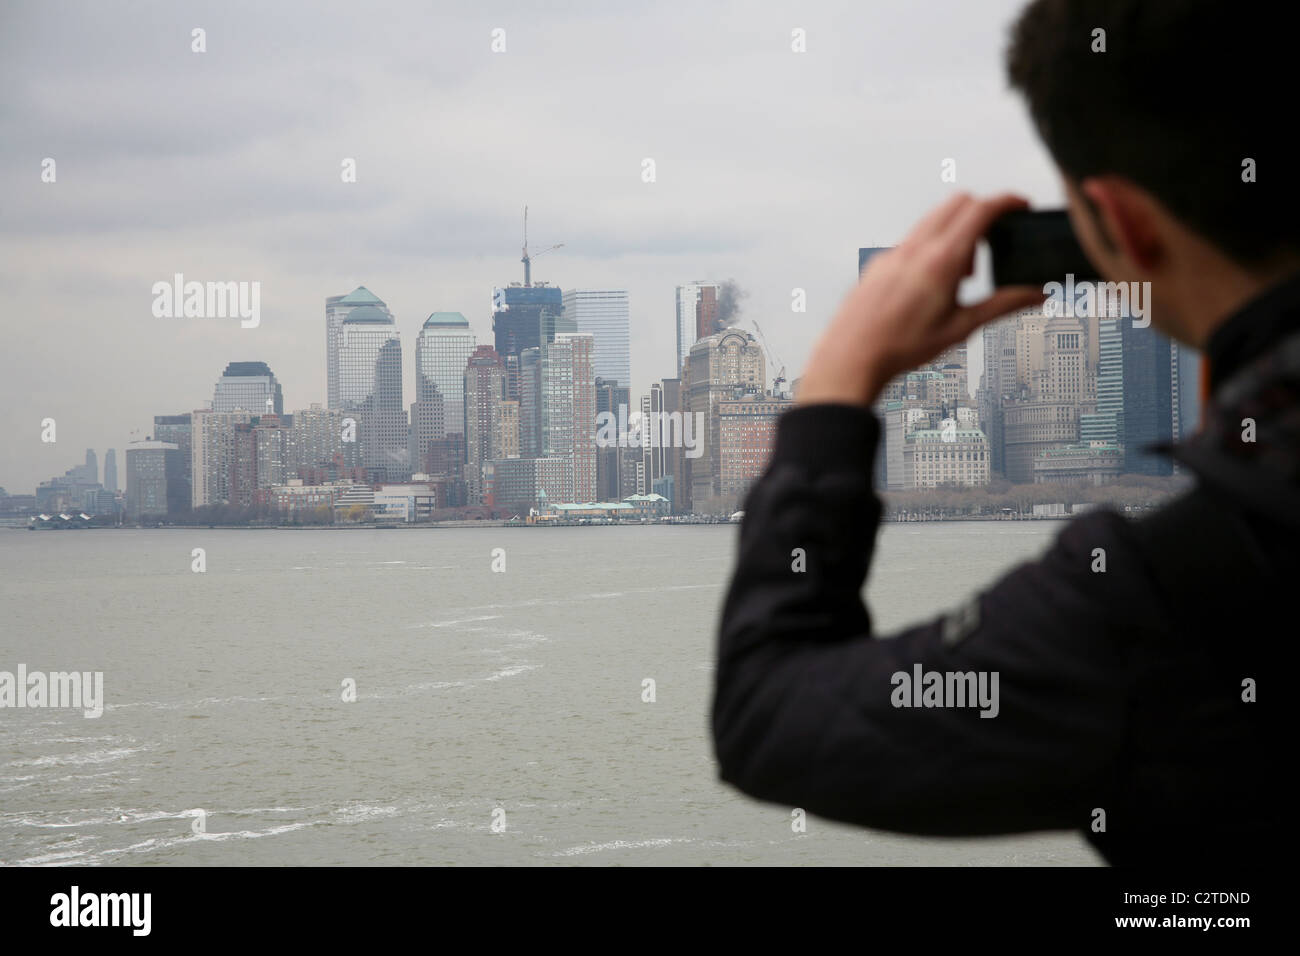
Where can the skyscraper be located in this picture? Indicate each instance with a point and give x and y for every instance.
(484, 385)
(1066, 370)
(441, 352)
(563, 470)
(568, 412)
(604, 313)
(242, 487)
(1038, 378)
(370, 389)
(525, 317)
(697, 312)
(654, 457)
(250, 386)
(273, 450)
(725, 366)
(177, 430)
(1106, 423)
(568, 409)
(610, 396)
(669, 484)
(316, 440)
(110, 471)
(152, 468)
(338, 308)
(1149, 398)
(505, 430)
(213, 454)
(530, 403)
(746, 439)
(92, 466)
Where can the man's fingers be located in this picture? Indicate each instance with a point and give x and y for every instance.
(937, 218)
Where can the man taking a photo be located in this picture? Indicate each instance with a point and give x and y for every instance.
(1142, 690)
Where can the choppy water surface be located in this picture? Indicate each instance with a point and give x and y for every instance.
(512, 696)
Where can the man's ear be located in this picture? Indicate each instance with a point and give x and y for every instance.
(1126, 218)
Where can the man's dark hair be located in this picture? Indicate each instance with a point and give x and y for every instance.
(1184, 93)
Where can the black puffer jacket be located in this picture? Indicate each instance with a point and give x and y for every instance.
(1127, 691)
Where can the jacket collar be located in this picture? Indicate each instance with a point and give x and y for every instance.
(1253, 330)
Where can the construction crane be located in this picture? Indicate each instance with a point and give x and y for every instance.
(527, 260)
(779, 380)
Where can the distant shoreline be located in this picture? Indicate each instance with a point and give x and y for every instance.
(498, 524)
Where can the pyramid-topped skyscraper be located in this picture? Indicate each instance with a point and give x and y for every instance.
(338, 308)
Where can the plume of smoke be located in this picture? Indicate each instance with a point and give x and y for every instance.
(729, 296)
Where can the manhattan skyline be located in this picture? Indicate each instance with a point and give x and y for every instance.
(771, 167)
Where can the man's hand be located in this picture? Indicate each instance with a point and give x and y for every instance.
(904, 309)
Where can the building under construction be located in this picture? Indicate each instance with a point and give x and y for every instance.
(526, 316)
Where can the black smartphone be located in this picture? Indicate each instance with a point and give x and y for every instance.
(1035, 247)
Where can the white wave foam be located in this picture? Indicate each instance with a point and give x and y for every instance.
(190, 704)
(112, 815)
(621, 845)
(157, 843)
(91, 757)
(365, 812)
(463, 620)
(514, 671)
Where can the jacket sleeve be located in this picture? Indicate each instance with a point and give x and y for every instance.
(807, 705)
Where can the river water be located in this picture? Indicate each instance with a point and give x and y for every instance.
(498, 716)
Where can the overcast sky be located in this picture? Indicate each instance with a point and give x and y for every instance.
(772, 168)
